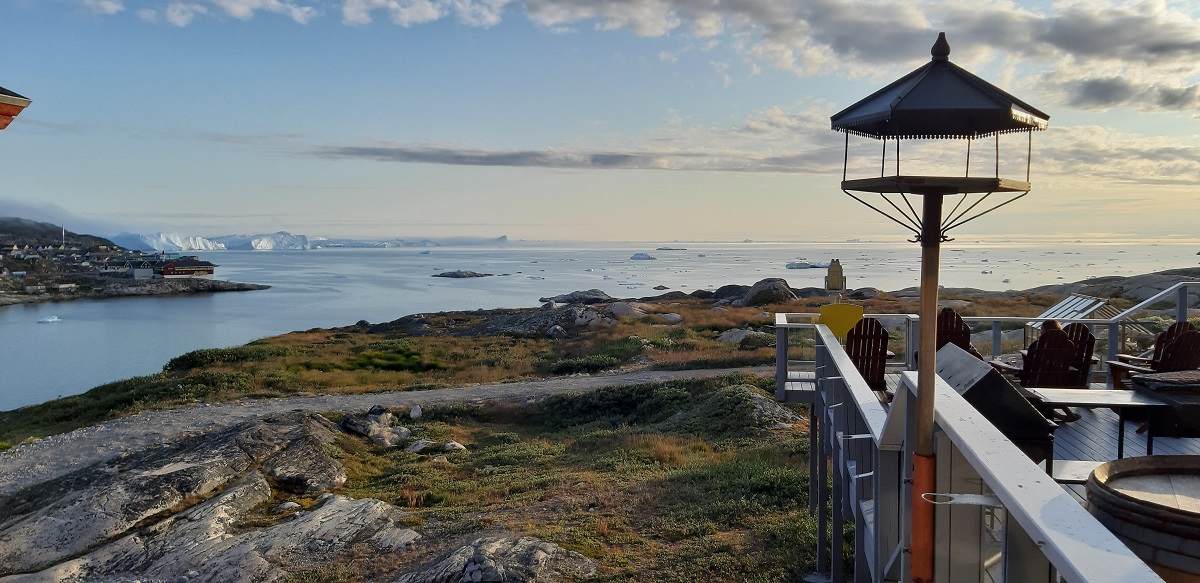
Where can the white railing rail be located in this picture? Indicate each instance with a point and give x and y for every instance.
(1002, 518)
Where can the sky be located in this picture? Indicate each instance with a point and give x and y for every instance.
(606, 120)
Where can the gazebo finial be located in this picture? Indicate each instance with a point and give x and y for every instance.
(941, 49)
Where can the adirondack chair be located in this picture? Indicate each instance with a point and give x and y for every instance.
(1085, 345)
(1182, 353)
(1168, 336)
(1049, 362)
(951, 329)
(866, 344)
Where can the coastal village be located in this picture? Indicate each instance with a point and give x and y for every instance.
(31, 262)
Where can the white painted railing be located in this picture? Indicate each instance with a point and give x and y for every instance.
(1000, 517)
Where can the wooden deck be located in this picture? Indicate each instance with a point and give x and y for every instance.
(1091, 438)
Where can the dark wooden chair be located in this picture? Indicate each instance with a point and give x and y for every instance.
(951, 329)
(1169, 335)
(866, 344)
(1182, 353)
(1048, 362)
(1085, 346)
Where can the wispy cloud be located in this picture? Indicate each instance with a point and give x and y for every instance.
(104, 6)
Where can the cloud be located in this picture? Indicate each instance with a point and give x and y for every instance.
(413, 12)
(245, 9)
(182, 13)
(104, 6)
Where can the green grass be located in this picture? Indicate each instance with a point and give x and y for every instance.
(663, 482)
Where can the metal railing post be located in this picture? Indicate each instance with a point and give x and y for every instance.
(781, 362)
(1181, 304)
(997, 338)
(1114, 344)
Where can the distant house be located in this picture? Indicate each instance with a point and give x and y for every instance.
(32, 286)
(188, 267)
(64, 286)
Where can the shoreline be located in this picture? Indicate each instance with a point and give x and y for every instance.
(132, 288)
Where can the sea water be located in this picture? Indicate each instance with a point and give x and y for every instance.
(100, 341)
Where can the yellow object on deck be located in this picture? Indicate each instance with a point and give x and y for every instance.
(840, 318)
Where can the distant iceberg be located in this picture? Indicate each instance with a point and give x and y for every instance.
(806, 265)
(165, 242)
(273, 241)
(642, 257)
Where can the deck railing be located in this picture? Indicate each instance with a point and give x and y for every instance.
(1115, 327)
(999, 516)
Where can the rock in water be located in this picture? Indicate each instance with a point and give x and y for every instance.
(460, 274)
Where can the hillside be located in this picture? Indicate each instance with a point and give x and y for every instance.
(22, 232)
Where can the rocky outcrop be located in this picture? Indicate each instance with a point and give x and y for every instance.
(591, 296)
(529, 323)
(460, 274)
(769, 414)
(505, 559)
(1136, 288)
(628, 309)
(164, 512)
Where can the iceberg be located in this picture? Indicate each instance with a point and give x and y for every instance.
(806, 265)
(165, 242)
(642, 257)
(272, 241)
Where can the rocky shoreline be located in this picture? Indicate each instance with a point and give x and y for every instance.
(122, 288)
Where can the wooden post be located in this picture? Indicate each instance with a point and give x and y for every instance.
(924, 466)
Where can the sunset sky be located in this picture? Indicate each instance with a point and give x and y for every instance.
(572, 119)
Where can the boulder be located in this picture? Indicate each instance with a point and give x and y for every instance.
(730, 292)
(415, 412)
(507, 559)
(667, 318)
(746, 339)
(772, 290)
(591, 296)
(627, 309)
(701, 294)
(286, 507)
(864, 293)
(452, 445)
(769, 414)
(420, 445)
(556, 331)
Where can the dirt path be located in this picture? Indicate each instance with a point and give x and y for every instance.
(36, 462)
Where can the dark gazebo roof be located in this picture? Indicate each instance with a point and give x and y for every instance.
(939, 100)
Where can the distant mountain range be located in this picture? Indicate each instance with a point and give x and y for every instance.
(22, 232)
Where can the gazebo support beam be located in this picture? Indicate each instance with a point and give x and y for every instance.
(924, 462)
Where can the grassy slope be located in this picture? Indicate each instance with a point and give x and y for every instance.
(665, 482)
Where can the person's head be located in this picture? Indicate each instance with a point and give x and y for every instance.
(1051, 325)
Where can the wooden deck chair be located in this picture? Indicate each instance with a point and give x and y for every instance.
(1085, 345)
(840, 318)
(951, 329)
(1182, 353)
(866, 344)
(1168, 336)
(1048, 362)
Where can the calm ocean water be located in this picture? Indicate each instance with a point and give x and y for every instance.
(102, 341)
